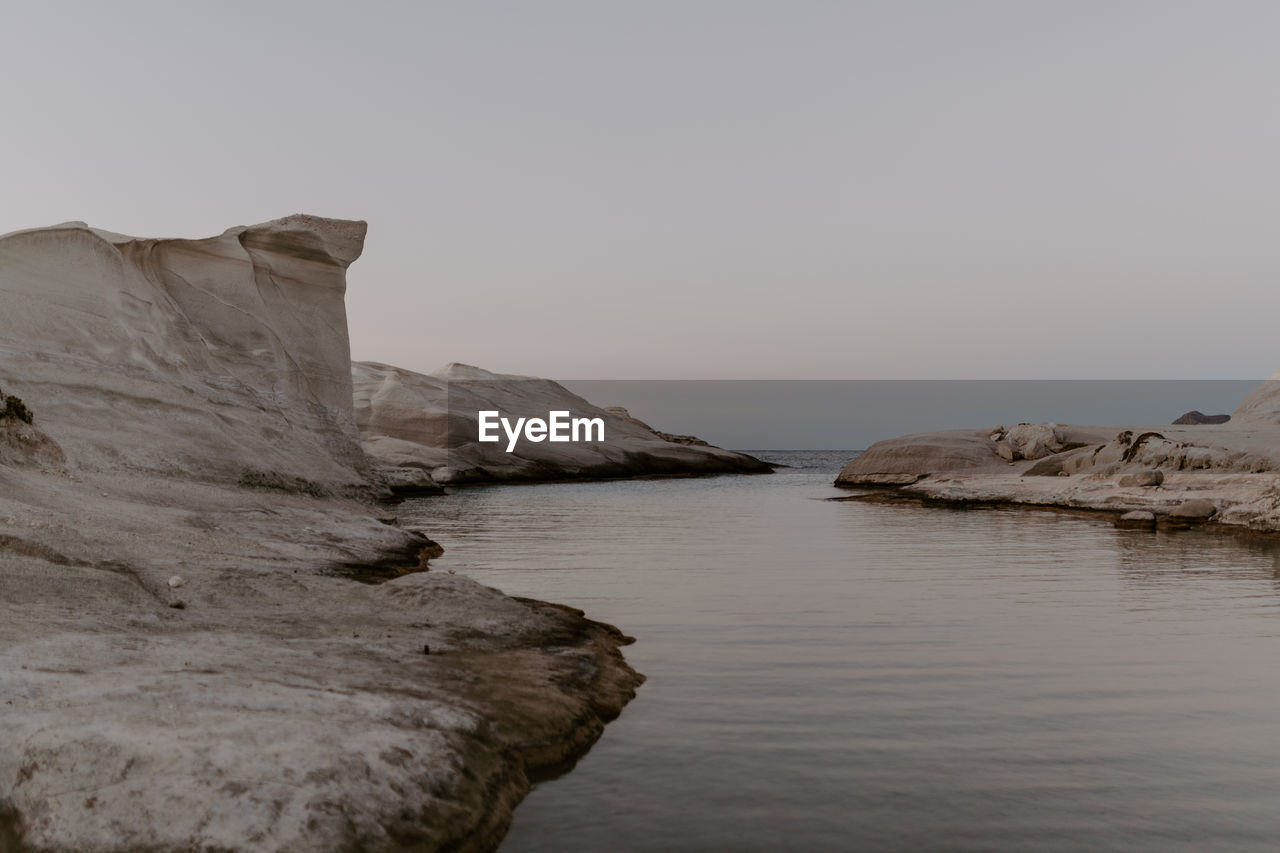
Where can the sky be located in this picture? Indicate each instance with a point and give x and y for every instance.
(698, 189)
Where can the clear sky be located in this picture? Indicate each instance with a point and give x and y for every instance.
(700, 189)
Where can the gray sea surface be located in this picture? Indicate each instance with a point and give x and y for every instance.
(858, 676)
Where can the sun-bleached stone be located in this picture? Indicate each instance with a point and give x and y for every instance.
(1230, 471)
(416, 424)
(193, 433)
(1137, 519)
(1196, 508)
(1034, 441)
(1153, 477)
(219, 359)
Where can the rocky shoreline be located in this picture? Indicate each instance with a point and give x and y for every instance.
(1121, 518)
(212, 636)
(1221, 476)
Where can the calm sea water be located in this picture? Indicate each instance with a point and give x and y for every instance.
(849, 676)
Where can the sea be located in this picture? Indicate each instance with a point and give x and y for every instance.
(843, 676)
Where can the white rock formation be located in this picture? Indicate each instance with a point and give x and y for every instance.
(219, 359)
(422, 429)
(188, 657)
(1231, 470)
(1261, 407)
(1034, 441)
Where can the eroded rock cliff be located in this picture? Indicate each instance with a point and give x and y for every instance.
(210, 638)
(221, 359)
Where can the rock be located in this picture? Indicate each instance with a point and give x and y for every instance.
(1197, 417)
(1262, 406)
(1193, 510)
(431, 550)
(1152, 477)
(899, 461)
(1233, 467)
(408, 480)
(1062, 464)
(193, 358)
(429, 423)
(1138, 519)
(1134, 446)
(198, 393)
(688, 440)
(175, 582)
(882, 479)
(1188, 513)
(1034, 441)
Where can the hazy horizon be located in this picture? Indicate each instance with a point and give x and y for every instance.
(854, 414)
(700, 190)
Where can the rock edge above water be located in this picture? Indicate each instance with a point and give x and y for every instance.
(1225, 475)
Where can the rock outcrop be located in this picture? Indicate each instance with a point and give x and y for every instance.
(1261, 407)
(901, 461)
(210, 637)
(1182, 475)
(421, 429)
(691, 440)
(1197, 417)
(1029, 441)
(1138, 519)
(221, 359)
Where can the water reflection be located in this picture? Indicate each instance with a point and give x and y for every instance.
(835, 676)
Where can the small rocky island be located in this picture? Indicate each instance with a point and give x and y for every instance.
(1219, 471)
(212, 634)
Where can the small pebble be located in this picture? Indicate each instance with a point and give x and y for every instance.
(175, 582)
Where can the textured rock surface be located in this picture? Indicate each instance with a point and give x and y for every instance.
(692, 440)
(1262, 406)
(1034, 441)
(912, 457)
(1195, 508)
(907, 459)
(220, 359)
(1153, 477)
(425, 425)
(194, 654)
(1137, 519)
(1233, 468)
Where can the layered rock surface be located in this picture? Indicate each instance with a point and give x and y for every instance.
(1173, 472)
(209, 636)
(221, 359)
(422, 429)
